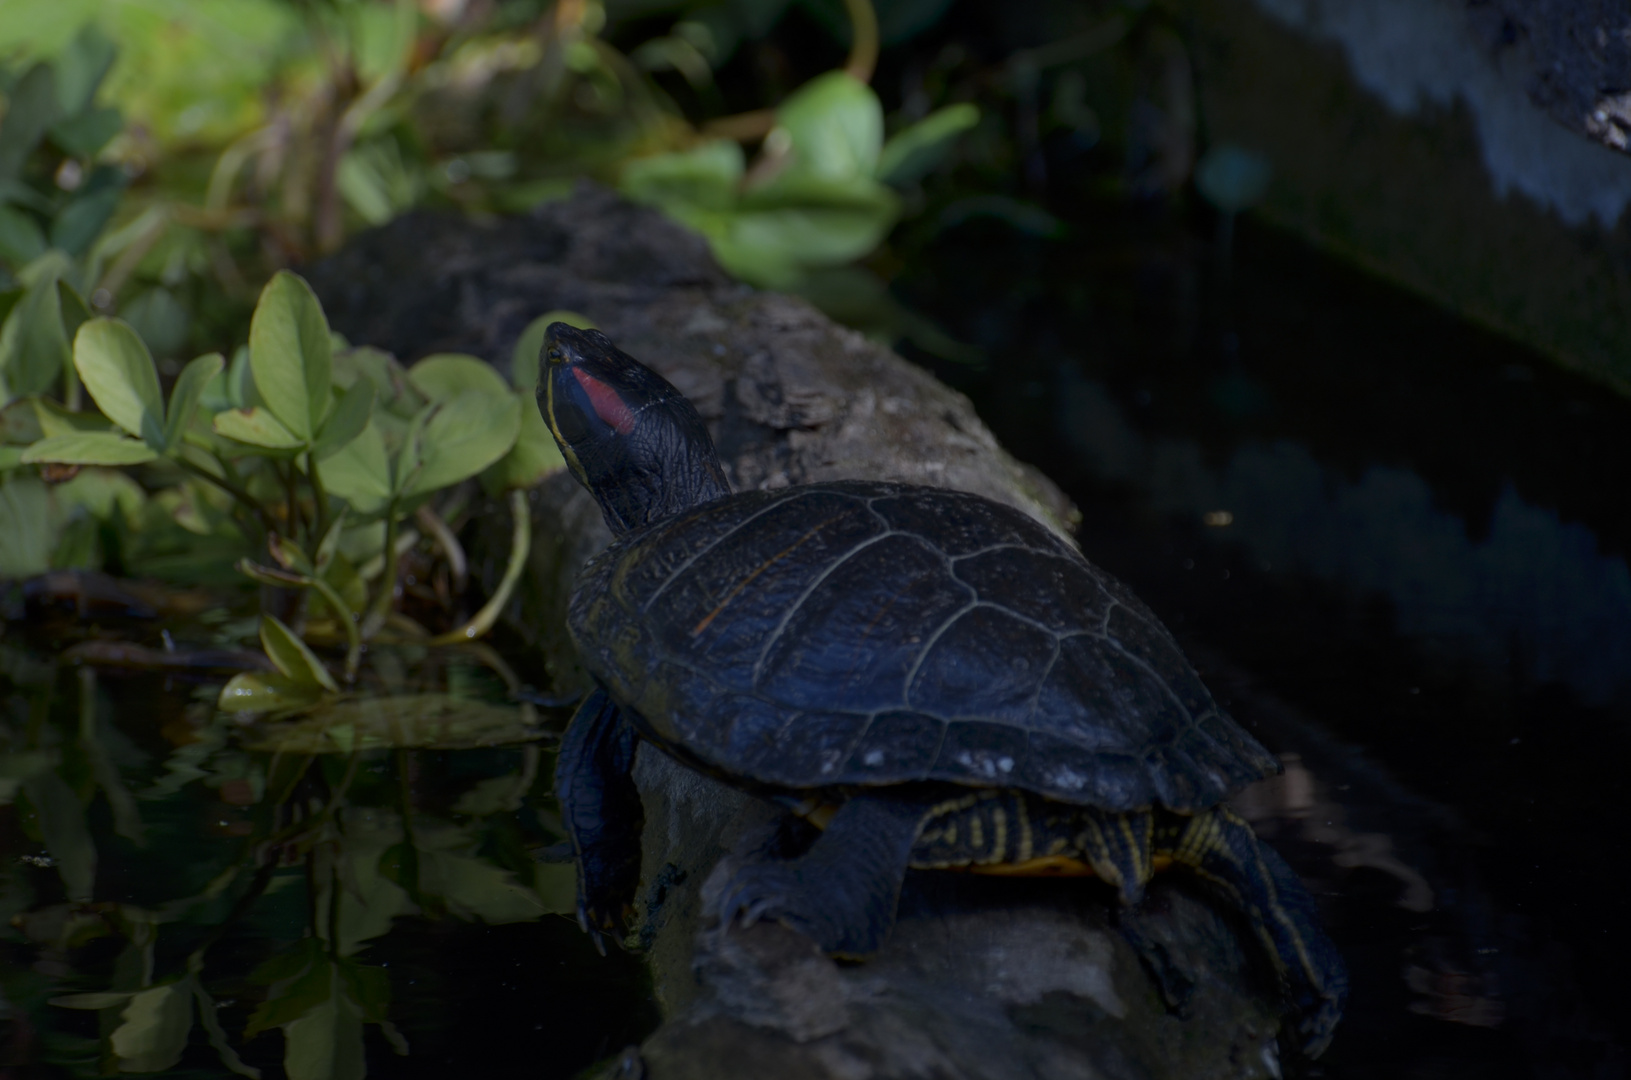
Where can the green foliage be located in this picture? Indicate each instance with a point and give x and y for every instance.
(818, 196)
(294, 448)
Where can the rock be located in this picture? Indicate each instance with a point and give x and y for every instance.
(982, 978)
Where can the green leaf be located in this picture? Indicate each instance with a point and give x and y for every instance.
(33, 347)
(410, 721)
(106, 1000)
(346, 421)
(445, 376)
(916, 150)
(808, 223)
(84, 135)
(21, 238)
(102, 493)
(62, 826)
(326, 1043)
(31, 108)
(292, 657)
(528, 347)
(704, 178)
(82, 221)
(265, 692)
(463, 437)
(256, 427)
(368, 987)
(360, 473)
(155, 1027)
(19, 765)
(75, 312)
(30, 529)
(117, 369)
(184, 397)
(291, 354)
(834, 127)
(90, 448)
(80, 68)
(534, 457)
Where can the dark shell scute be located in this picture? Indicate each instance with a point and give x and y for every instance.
(895, 744)
(960, 524)
(719, 612)
(987, 664)
(982, 752)
(1062, 593)
(852, 642)
(816, 748)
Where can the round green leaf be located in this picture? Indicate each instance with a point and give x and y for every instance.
(524, 357)
(117, 369)
(347, 420)
(184, 397)
(463, 437)
(705, 177)
(291, 354)
(256, 427)
(89, 448)
(445, 376)
(360, 473)
(834, 125)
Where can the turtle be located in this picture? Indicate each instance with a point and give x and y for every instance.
(934, 679)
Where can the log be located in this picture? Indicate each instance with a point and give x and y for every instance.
(984, 979)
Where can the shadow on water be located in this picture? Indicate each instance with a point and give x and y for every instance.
(1396, 547)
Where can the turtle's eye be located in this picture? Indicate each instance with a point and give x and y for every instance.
(554, 355)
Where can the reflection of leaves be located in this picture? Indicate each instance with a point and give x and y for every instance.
(63, 828)
(265, 692)
(321, 1005)
(293, 658)
(473, 887)
(424, 721)
(154, 1027)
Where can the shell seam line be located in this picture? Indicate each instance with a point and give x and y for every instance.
(770, 640)
(675, 574)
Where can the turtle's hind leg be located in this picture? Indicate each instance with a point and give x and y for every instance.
(843, 891)
(601, 809)
(1221, 849)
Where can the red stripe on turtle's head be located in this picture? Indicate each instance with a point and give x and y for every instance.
(608, 405)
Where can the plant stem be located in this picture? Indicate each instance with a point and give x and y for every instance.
(863, 50)
(520, 546)
(452, 550)
(387, 580)
(320, 496)
(246, 500)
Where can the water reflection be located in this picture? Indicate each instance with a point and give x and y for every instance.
(1534, 592)
(184, 888)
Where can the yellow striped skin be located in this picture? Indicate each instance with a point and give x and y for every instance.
(1014, 833)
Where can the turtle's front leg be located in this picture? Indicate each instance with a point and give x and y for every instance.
(843, 891)
(601, 809)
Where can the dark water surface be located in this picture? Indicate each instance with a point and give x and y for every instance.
(1396, 546)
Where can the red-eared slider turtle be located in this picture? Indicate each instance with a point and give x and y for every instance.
(935, 678)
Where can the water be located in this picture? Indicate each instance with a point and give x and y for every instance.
(1396, 547)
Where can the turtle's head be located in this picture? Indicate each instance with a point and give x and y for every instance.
(628, 436)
